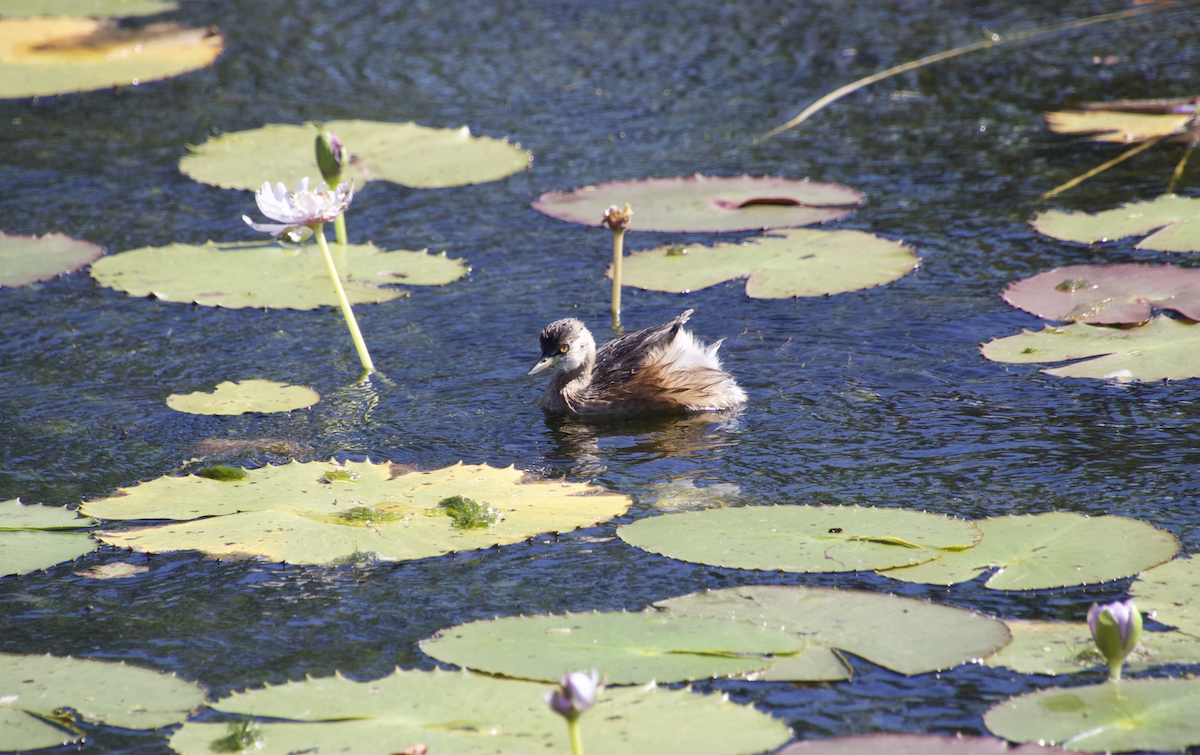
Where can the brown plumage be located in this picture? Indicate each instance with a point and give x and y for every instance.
(656, 369)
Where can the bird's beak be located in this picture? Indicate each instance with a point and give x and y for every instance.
(543, 364)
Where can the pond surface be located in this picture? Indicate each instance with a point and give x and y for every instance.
(877, 397)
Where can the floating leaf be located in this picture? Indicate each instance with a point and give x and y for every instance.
(29, 259)
(1052, 647)
(801, 538)
(1162, 349)
(1133, 714)
(1172, 591)
(1032, 552)
(29, 542)
(89, 8)
(906, 635)
(469, 714)
(631, 648)
(1172, 214)
(913, 744)
(706, 203)
(403, 153)
(270, 274)
(781, 265)
(98, 692)
(313, 513)
(1107, 294)
(1119, 127)
(50, 55)
(245, 396)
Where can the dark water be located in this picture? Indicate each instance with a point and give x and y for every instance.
(877, 397)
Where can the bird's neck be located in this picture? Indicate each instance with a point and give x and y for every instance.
(568, 387)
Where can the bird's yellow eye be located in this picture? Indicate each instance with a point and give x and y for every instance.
(564, 348)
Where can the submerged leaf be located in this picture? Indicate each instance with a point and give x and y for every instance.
(1107, 294)
(243, 397)
(29, 259)
(1177, 217)
(783, 264)
(706, 203)
(913, 744)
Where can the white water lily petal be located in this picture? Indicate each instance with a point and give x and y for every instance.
(299, 209)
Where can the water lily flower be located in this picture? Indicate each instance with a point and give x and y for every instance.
(576, 693)
(331, 156)
(299, 210)
(1116, 628)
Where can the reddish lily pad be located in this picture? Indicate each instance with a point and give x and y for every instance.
(29, 259)
(1169, 215)
(706, 203)
(1107, 294)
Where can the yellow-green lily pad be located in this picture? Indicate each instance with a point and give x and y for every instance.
(783, 264)
(1116, 122)
(1162, 349)
(403, 153)
(31, 537)
(1175, 220)
(319, 513)
(1054, 647)
(49, 55)
(1133, 714)
(245, 396)
(88, 8)
(802, 538)
(29, 259)
(906, 635)
(1059, 548)
(97, 691)
(630, 648)
(1172, 592)
(472, 714)
(271, 274)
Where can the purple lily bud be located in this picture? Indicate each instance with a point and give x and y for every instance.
(576, 693)
(1115, 628)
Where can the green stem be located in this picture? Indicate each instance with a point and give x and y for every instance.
(347, 312)
(618, 253)
(1114, 670)
(576, 739)
(339, 229)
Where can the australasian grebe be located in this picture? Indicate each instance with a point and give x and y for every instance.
(659, 368)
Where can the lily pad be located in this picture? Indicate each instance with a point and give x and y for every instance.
(97, 691)
(323, 513)
(270, 274)
(470, 714)
(802, 538)
(245, 396)
(29, 259)
(1133, 714)
(1162, 349)
(1119, 127)
(1032, 552)
(906, 635)
(1053, 647)
(49, 55)
(89, 8)
(1172, 591)
(706, 203)
(913, 744)
(778, 266)
(631, 648)
(1171, 216)
(403, 153)
(1107, 294)
(30, 538)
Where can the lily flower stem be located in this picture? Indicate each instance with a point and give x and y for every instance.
(1114, 670)
(339, 229)
(618, 253)
(347, 312)
(576, 738)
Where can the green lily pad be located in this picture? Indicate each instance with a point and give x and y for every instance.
(913, 744)
(89, 8)
(1171, 216)
(1053, 647)
(470, 714)
(705, 203)
(30, 539)
(50, 55)
(323, 513)
(631, 648)
(98, 691)
(270, 274)
(802, 538)
(1133, 714)
(1107, 294)
(1162, 349)
(781, 265)
(1172, 591)
(906, 635)
(1032, 552)
(1116, 126)
(29, 259)
(403, 153)
(245, 396)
